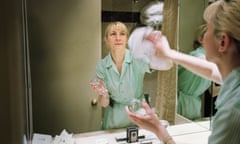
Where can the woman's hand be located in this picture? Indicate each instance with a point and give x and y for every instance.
(99, 87)
(148, 121)
(161, 44)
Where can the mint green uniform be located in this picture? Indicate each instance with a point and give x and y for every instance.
(190, 89)
(122, 87)
(226, 121)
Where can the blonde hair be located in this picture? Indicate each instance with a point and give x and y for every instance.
(116, 24)
(199, 34)
(225, 15)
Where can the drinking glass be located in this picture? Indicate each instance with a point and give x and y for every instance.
(98, 86)
(135, 106)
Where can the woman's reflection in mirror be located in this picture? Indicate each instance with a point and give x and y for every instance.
(122, 74)
(191, 86)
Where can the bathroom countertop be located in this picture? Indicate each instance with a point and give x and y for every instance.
(187, 133)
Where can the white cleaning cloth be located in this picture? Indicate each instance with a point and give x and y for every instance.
(142, 48)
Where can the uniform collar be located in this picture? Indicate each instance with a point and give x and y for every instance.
(127, 59)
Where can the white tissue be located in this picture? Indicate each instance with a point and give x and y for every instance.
(64, 138)
(41, 139)
(142, 48)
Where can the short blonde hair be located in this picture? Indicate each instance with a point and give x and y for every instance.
(117, 24)
(225, 15)
(199, 34)
(200, 31)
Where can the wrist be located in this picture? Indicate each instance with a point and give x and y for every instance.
(168, 140)
(103, 100)
(171, 54)
(163, 135)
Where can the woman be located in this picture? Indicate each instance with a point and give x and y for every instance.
(190, 85)
(222, 44)
(122, 75)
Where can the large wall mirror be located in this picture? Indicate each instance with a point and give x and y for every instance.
(64, 45)
(65, 42)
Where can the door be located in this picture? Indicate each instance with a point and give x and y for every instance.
(64, 44)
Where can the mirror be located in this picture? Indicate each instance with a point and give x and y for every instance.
(195, 101)
(65, 43)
